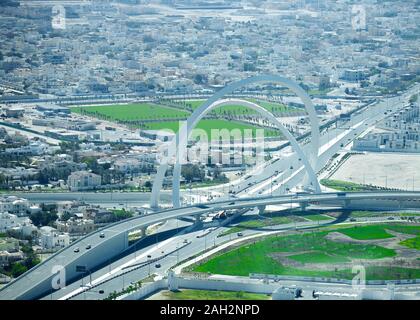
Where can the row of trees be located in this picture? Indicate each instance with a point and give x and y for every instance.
(17, 268)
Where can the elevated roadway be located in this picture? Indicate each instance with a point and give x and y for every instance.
(112, 240)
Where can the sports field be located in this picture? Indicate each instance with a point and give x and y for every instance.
(142, 115)
(207, 125)
(323, 254)
(273, 107)
(136, 111)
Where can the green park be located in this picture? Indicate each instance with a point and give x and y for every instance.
(168, 115)
(324, 252)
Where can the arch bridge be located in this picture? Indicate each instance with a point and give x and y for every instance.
(177, 147)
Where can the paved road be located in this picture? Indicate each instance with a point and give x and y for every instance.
(102, 198)
(118, 232)
(67, 256)
(289, 168)
(195, 245)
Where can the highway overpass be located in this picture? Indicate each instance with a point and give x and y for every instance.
(111, 241)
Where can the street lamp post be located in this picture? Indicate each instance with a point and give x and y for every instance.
(271, 185)
(205, 242)
(177, 253)
(148, 262)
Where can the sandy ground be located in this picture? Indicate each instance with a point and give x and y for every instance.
(395, 170)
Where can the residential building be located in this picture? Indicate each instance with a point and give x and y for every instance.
(76, 226)
(51, 238)
(83, 180)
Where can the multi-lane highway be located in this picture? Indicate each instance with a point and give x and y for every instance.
(102, 245)
(286, 170)
(99, 247)
(166, 254)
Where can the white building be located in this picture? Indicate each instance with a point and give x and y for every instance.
(127, 165)
(8, 257)
(15, 205)
(50, 238)
(8, 221)
(83, 180)
(22, 225)
(26, 228)
(34, 148)
(399, 133)
(76, 226)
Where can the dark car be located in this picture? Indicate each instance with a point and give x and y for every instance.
(157, 265)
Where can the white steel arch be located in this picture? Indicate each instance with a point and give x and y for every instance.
(178, 145)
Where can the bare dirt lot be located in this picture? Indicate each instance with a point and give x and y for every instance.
(394, 170)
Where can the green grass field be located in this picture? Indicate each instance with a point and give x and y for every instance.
(372, 232)
(404, 228)
(317, 217)
(345, 185)
(413, 243)
(146, 112)
(318, 257)
(369, 232)
(189, 294)
(208, 125)
(273, 107)
(363, 214)
(258, 257)
(391, 273)
(136, 111)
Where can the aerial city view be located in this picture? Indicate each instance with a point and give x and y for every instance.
(209, 150)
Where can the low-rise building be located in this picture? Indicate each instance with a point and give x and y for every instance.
(400, 132)
(8, 221)
(51, 238)
(14, 205)
(76, 226)
(34, 148)
(52, 109)
(6, 258)
(83, 180)
(353, 75)
(161, 135)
